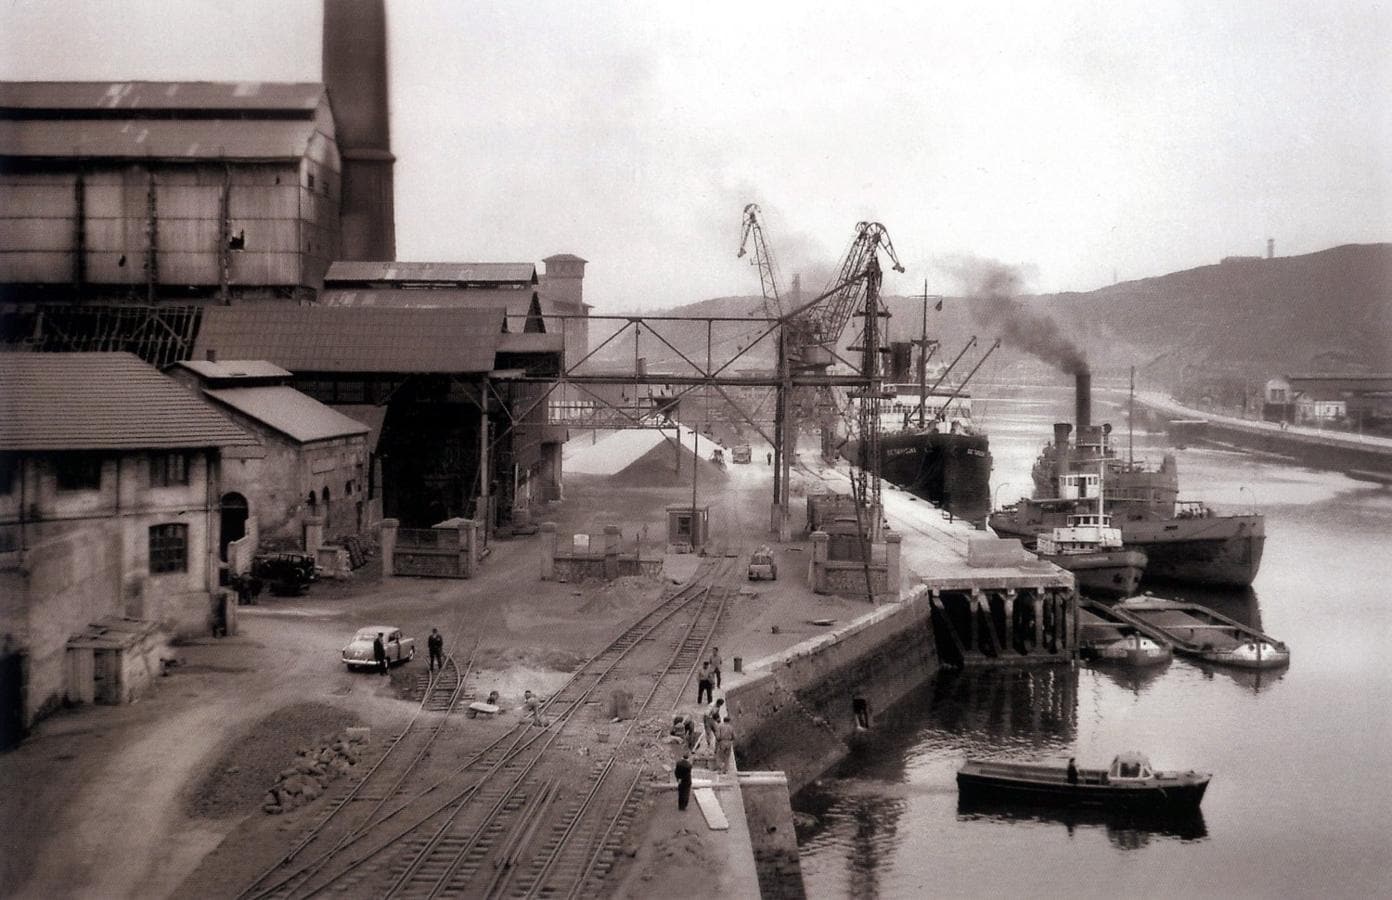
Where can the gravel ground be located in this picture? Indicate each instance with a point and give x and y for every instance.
(247, 769)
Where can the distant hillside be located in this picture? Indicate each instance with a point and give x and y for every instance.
(1247, 318)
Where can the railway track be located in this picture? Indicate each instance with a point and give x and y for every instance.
(519, 818)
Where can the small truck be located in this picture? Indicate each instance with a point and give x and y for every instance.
(741, 454)
(762, 565)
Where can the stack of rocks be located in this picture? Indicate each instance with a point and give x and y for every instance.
(314, 769)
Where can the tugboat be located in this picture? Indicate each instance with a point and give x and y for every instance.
(1183, 541)
(1089, 547)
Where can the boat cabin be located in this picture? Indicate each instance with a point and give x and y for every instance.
(1084, 533)
(1130, 766)
(1081, 486)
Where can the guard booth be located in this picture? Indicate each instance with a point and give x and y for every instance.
(687, 527)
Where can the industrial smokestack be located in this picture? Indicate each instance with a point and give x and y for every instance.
(355, 73)
(1082, 418)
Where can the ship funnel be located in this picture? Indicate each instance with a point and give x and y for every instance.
(1082, 417)
(1061, 430)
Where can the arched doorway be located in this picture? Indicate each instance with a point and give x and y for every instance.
(234, 518)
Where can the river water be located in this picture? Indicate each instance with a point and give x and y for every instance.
(1301, 800)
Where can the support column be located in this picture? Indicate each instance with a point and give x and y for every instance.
(389, 527)
(893, 546)
(1038, 623)
(548, 551)
(973, 605)
(816, 575)
(468, 547)
(1010, 597)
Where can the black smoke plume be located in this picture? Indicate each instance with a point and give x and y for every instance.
(993, 291)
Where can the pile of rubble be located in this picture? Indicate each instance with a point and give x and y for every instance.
(313, 770)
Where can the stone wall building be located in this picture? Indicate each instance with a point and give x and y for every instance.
(311, 464)
(109, 486)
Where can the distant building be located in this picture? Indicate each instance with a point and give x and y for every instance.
(1358, 399)
(311, 464)
(563, 288)
(109, 479)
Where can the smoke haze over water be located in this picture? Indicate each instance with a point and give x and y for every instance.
(992, 290)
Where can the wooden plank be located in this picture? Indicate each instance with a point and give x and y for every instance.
(710, 808)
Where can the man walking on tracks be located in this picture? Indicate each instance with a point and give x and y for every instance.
(436, 643)
(683, 781)
(532, 707)
(715, 663)
(704, 683)
(379, 653)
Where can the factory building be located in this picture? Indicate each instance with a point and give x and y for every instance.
(166, 192)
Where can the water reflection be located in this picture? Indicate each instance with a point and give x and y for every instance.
(1125, 830)
(1035, 707)
(1131, 678)
(866, 826)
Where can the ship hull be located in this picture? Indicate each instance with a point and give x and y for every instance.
(950, 470)
(1216, 550)
(1103, 573)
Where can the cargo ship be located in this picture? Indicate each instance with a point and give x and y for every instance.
(945, 462)
(1184, 541)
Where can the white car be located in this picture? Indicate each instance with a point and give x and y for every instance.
(358, 653)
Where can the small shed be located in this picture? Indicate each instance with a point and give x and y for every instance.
(689, 525)
(114, 660)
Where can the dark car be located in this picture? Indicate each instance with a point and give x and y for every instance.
(288, 573)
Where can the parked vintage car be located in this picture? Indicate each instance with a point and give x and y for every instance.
(288, 573)
(762, 565)
(358, 653)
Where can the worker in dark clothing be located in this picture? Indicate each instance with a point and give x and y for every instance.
(1072, 771)
(705, 684)
(768, 457)
(379, 652)
(683, 781)
(436, 643)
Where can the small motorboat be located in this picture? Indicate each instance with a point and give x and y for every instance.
(1129, 783)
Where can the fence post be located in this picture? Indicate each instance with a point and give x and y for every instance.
(389, 527)
(548, 551)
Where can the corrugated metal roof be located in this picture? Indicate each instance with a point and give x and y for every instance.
(234, 368)
(102, 401)
(360, 271)
(297, 415)
(361, 339)
(156, 138)
(165, 95)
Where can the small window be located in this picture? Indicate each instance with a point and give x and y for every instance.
(169, 469)
(348, 488)
(168, 548)
(78, 471)
(310, 176)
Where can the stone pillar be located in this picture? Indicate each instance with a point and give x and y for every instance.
(1010, 597)
(388, 539)
(548, 551)
(468, 547)
(313, 534)
(612, 541)
(1038, 622)
(974, 635)
(893, 545)
(816, 575)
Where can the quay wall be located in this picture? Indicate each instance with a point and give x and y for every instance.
(1338, 451)
(795, 711)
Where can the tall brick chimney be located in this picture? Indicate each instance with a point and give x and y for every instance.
(355, 72)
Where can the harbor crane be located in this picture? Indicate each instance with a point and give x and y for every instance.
(753, 233)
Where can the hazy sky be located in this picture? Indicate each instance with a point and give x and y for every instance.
(1074, 139)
